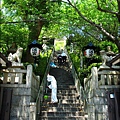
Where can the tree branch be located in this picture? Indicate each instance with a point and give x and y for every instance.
(92, 23)
(103, 10)
(118, 16)
(26, 21)
(118, 1)
(93, 36)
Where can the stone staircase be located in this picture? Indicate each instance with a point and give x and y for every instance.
(68, 106)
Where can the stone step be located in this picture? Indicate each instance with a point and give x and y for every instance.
(64, 105)
(61, 97)
(69, 101)
(64, 83)
(61, 101)
(63, 113)
(63, 91)
(68, 91)
(65, 87)
(60, 109)
(74, 97)
(62, 118)
(65, 94)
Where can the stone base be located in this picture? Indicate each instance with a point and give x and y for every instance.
(17, 65)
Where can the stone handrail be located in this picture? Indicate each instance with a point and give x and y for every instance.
(32, 81)
(42, 88)
(15, 75)
(96, 91)
(91, 82)
(101, 77)
(25, 84)
(108, 77)
(76, 79)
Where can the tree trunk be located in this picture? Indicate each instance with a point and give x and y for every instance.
(35, 29)
(117, 42)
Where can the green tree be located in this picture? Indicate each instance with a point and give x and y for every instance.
(58, 18)
(103, 15)
(35, 13)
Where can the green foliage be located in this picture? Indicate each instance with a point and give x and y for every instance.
(58, 19)
(13, 33)
(86, 70)
(40, 68)
(59, 44)
(76, 61)
(43, 62)
(103, 46)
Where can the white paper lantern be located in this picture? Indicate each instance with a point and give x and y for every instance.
(35, 51)
(89, 53)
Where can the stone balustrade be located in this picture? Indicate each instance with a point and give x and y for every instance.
(96, 88)
(102, 76)
(14, 75)
(25, 86)
(77, 82)
(108, 76)
(20, 75)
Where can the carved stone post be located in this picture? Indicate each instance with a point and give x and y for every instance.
(29, 75)
(32, 111)
(109, 80)
(94, 82)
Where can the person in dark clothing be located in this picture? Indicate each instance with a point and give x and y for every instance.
(64, 57)
(59, 58)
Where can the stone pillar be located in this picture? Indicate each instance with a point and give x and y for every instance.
(39, 82)
(5, 78)
(94, 81)
(29, 75)
(91, 112)
(109, 80)
(32, 111)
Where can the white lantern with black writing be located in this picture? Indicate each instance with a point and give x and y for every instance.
(89, 53)
(35, 51)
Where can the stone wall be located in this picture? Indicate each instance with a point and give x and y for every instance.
(96, 93)
(23, 103)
